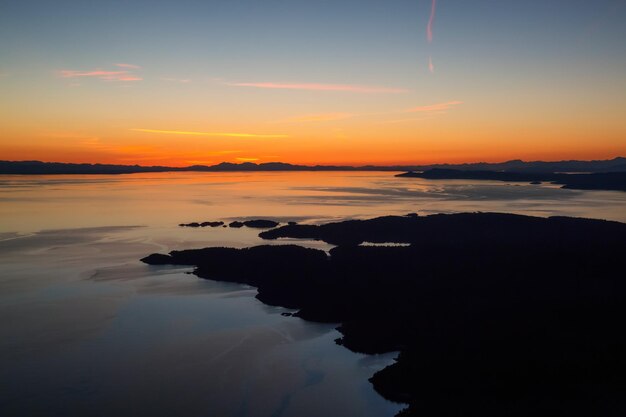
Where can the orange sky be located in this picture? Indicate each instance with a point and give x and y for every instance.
(462, 86)
(451, 131)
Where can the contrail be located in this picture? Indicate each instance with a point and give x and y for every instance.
(431, 66)
(431, 21)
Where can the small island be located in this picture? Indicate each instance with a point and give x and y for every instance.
(203, 224)
(493, 314)
(254, 224)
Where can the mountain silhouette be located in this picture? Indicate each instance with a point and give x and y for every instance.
(37, 167)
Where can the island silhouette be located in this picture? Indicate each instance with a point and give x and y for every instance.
(613, 181)
(493, 314)
(582, 175)
(617, 164)
(254, 224)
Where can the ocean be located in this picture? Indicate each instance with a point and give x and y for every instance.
(86, 329)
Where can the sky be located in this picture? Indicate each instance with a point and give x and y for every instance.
(312, 81)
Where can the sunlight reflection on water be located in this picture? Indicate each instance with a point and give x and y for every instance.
(86, 328)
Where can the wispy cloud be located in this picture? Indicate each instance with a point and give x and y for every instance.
(431, 66)
(434, 107)
(101, 74)
(129, 66)
(431, 21)
(127, 78)
(324, 117)
(95, 73)
(211, 134)
(176, 80)
(322, 87)
(247, 159)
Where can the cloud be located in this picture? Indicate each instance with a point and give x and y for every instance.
(127, 78)
(247, 159)
(212, 134)
(176, 80)
(102, 75)
(129, 66)
(325, 117)
(126, 73)
(322, 87)
(434, 107)
(431, 66)
(95, 73)
(431, 21)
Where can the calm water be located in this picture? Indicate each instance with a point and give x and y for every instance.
(87, 330)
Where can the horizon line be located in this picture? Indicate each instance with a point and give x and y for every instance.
(361, 165)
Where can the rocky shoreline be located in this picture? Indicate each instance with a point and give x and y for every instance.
(493, 314)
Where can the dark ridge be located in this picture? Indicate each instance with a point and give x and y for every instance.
(255, 224)
(461, 229)
(211, 224)
(39, 168)
(43, 168)
(599, 181)
(260, 224)
(494, 314)
(203, 224)
(193, 224)
(612, 181)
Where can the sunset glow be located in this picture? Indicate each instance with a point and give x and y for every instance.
(351, 83)
(297, 208)
(227, 135)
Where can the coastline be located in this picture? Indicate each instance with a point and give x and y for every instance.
(446, 296)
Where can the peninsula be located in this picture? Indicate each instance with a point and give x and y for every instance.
(493, 314)
(612, 181)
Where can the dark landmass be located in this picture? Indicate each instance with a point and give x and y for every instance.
(493, 314)
(255, 224)
(614, 181)
(260, 224)
(39, 168)
(59, 168)
(203, 224)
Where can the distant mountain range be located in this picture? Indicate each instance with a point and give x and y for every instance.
(38, 167)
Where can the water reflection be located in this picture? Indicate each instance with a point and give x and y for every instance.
(88, 330)
(85, 329)
(34, 203)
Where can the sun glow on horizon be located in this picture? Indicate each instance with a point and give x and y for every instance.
(359, 89)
